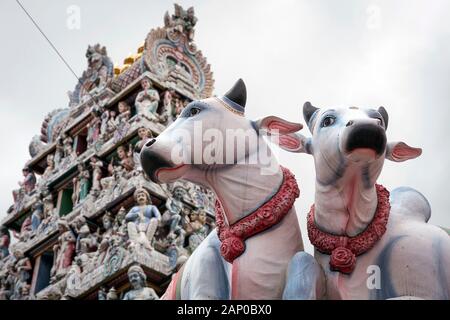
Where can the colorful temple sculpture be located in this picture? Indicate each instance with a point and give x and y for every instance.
(86, 222)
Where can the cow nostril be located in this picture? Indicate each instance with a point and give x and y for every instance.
(150, 142)
(349, 123)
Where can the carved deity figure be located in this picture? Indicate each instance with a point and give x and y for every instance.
(112, 294)
(125, 158)
(121, 121)
(169, 110)
(108, 224)
(142, 220)
(37, 216)
(20, 273)
(81, 184)
(174, 205)
(199, 229)
(147, 101)
(98, 73)
(59, 151)
(86, 246)
(176, 242)
(119, 227)
(104, 132)
(139, 291)
(97, 173)
(50, 167)
(23, 266)
(94, 129)
(25, 230)
(182, 21)
(49, 213)
(68, 146)
(4, 242)
(64, 251)
(144, 134)
(179, 106)
(27, 185)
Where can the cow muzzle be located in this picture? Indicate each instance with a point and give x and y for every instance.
(363, 140)
(157, 164)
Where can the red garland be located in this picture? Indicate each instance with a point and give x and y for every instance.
(344, 249)
(266, 216)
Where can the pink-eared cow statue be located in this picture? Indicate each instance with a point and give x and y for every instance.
(369, 243)
(257, 232)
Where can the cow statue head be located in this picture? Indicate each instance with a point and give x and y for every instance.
(346, 140)
(210, 133)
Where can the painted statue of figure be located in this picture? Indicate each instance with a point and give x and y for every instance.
(27, 185)
(119, 227)
(147, 101)
(37, 216)
(104, 124)
(108, 224)
(97, 173)
(25, 230)
(64, 251)
(172, 216)
(86, 246)
(125, 158)
(121, 121)
(139, 291)
(50, 167)
(173, 251)
(169, 111)
(94, 129)
(49, 213)
(59, 151)
(142, 220)
(101, 294)
(111, 123)
(112, 294)
(68, 146)
(21, 272)
(4, 242)
(82, 184)
(23, 266)
(144, 134)
(199, 230)
(178, 106)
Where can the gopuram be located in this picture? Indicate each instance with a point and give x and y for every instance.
(86, 222)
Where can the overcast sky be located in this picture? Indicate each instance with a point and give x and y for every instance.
(363, 53)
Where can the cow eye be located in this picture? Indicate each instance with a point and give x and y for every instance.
(194, 111)
(328, 121)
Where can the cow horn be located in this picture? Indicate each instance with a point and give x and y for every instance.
(308, 111)
(238, 94)
(385, 116)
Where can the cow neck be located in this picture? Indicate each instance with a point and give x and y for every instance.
(233, 236)
(242, 189)
(343, 249)
(347, 207)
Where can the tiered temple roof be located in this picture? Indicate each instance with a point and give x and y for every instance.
(83, 214)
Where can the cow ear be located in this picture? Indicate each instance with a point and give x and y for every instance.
(400, 151)
(275, 125)
(295, 142)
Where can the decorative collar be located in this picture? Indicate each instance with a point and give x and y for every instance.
(266, 216)
(344, 249)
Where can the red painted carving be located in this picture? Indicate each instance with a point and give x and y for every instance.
(344, 249)
(272, 212)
